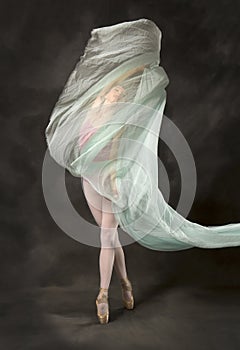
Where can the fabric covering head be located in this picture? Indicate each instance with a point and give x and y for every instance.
(105, 127)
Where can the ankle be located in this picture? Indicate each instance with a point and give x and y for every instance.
(124, 280)
(103, 290)
(126, 284)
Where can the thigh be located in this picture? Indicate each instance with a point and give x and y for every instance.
(94, 200)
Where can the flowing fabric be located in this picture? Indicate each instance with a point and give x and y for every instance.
(105, 128)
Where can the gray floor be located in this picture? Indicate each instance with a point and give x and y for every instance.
(169, 317)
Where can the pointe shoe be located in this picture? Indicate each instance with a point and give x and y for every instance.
(103, 318)
(126, 285)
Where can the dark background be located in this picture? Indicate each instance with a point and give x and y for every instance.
(185, 300)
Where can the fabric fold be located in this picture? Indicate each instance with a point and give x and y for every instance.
(105, 127)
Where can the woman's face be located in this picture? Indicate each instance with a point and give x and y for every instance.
(115, 93)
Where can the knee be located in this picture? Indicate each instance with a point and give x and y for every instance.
(108, 237)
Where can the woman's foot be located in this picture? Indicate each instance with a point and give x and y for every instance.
(127, 294)
(102, 306)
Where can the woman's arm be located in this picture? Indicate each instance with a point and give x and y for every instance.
(101, 96)
(113, 154)
(123, 77)
(114, 148)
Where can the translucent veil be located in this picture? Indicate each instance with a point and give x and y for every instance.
(105, 127)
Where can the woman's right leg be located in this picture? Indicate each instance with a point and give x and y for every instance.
(108, 238)
(106, 257)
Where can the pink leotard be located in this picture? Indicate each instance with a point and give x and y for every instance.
(86, 132)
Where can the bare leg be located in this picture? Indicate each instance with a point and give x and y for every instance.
(94, 201)
(108, 242)
(111, 249)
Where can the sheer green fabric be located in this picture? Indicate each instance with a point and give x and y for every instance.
(105, 127)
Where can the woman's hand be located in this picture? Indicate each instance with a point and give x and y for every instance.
(113, 183)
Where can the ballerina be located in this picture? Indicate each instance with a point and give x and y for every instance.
(104, 128)
(111, 253)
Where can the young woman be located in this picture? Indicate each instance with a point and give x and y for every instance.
(105, 129)
(111, 253)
